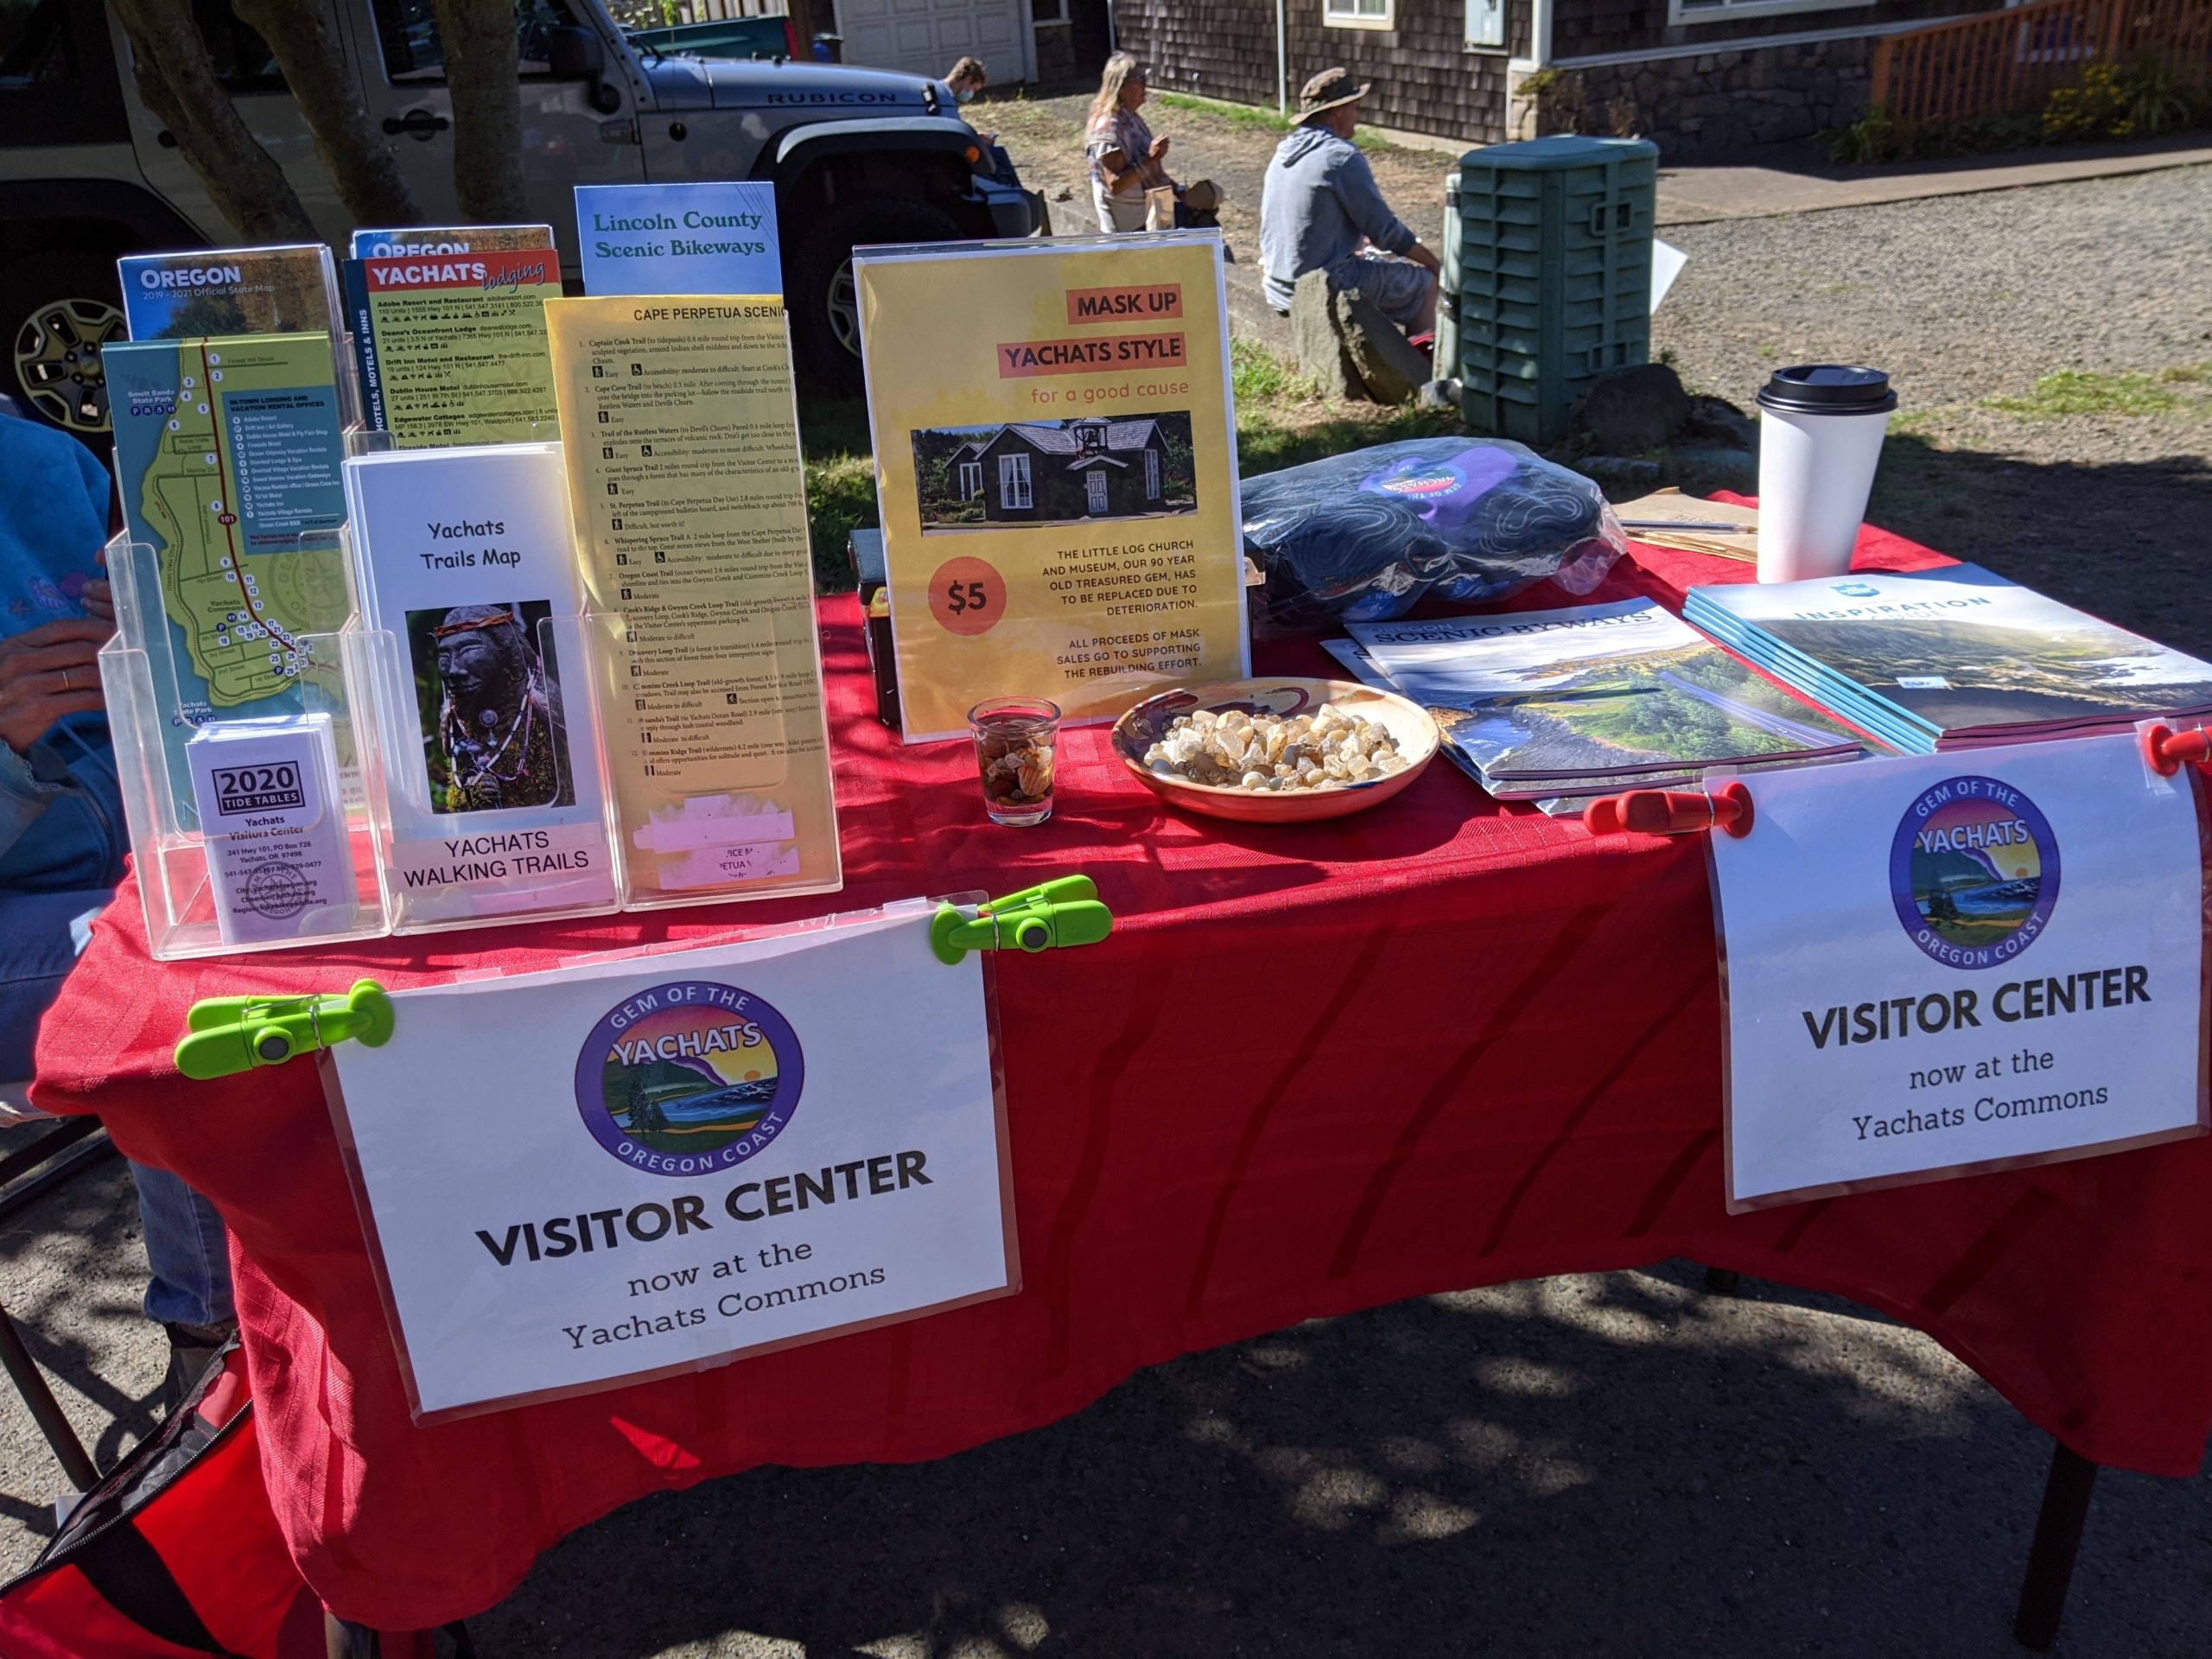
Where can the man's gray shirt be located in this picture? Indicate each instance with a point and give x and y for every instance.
(1318, 200)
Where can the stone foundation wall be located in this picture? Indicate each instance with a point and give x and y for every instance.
(1723, 99)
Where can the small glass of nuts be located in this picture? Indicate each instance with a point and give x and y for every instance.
(1015, 742)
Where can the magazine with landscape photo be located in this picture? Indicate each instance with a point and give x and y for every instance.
(1960, 650)
(1612, 689)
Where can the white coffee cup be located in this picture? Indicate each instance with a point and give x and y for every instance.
(1821, 430)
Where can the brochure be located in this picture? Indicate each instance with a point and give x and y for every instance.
(227, 458)
(690, 507)
(465, 558)
(1599, 690)
(286, 289)
(452, 346)
(1055, 470)
(1952, 658)
(448, 238)
(678, 239)
(275, 826)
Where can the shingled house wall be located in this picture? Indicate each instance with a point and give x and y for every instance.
(1424, 77)
(1717, 88)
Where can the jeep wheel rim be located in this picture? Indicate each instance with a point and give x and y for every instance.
(844, 302)
(58, 361)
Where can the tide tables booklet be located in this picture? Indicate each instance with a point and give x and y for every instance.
(465, 558)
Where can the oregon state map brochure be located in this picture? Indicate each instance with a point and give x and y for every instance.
(227, 454)
(275, 291)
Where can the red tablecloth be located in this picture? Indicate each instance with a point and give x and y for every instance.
(1436, 1045)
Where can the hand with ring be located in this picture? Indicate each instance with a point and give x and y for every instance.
(48, 673)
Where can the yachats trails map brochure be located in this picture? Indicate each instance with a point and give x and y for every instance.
(465, 558)
(1952, 658)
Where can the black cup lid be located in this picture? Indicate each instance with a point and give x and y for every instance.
(1828, 389)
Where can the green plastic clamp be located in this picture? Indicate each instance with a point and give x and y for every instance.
(226, 1035)
(1064, 912)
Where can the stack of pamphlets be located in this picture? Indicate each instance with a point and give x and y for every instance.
(1587, 701)
(1952, 659)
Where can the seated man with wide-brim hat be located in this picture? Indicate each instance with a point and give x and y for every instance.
(1320, 209)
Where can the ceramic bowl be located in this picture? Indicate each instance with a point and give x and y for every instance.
(1139, 729)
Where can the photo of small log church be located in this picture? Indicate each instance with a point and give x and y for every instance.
(1054, 472)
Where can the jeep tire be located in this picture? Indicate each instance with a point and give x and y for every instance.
(823, 302)
(57, 310)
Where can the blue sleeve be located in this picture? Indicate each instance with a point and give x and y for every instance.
(1354, 182)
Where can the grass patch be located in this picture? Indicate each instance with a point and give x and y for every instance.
(1257, 117)
(2083, 391)
(840, 483)
(1257, 376)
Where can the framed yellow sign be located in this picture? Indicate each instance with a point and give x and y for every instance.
(1056, 464)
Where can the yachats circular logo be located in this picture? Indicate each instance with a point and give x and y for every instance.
(688, 1077)
(1973, 871)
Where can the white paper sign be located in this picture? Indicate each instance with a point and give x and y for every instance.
(1959, 963)
(593, 1176)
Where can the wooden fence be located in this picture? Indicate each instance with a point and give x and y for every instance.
(2001, 62)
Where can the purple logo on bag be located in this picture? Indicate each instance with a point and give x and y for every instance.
(1973, 871)
(688, 1077)
(1446, 491)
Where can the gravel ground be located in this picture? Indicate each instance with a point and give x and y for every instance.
(1593, 1465)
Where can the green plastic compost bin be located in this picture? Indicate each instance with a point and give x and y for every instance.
(1547, 279)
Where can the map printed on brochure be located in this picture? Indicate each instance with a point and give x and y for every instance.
(464, 557)
(1949, 964)
(1950, 658)
(227, 454)
(1601, 690)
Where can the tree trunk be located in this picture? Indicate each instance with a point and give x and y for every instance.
(176, 79)
(478, 39)
(356, 156)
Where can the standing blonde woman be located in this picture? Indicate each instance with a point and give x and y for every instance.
(1125, 159)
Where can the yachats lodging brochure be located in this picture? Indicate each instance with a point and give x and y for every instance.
(1057, 472)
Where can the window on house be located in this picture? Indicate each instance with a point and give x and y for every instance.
(1152, 474)
(1048, 11)
(1014, 481)
(1691, 11)
(1357, 13)
(971, 478)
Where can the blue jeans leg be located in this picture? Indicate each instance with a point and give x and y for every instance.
(42, 935)
(186, 1248)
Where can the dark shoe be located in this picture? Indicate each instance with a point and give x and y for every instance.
(193, 1348)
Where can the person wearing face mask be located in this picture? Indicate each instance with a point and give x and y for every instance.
(965, 81)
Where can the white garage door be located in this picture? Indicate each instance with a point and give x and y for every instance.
(926, 37)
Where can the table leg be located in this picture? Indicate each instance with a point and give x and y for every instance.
(1723, 1282)
(2051, 1557)
(45, 1410)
